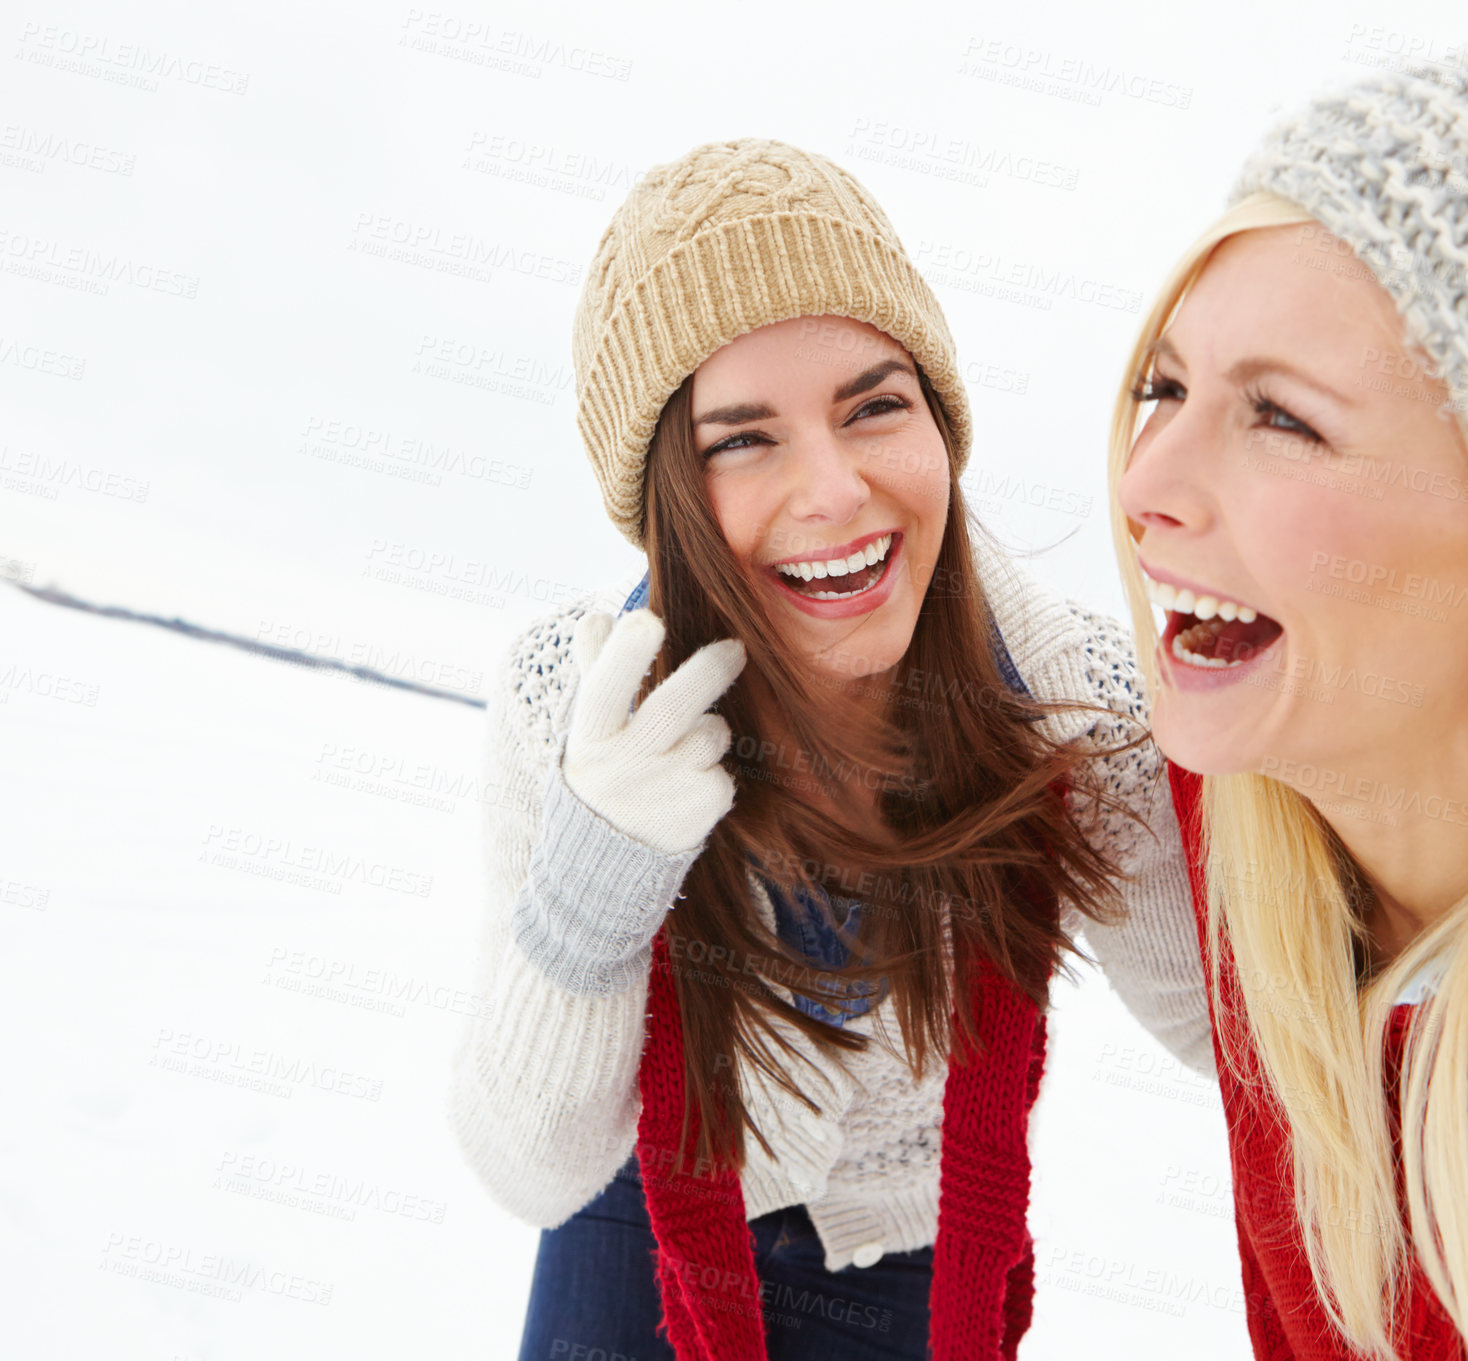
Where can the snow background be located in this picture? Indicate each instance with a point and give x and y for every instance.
(168, 455)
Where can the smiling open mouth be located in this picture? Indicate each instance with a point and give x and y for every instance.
(1211, 630)
(839, 578)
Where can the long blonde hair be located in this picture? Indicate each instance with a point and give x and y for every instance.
(1281, 888)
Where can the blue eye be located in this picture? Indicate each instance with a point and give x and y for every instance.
(1290, 425)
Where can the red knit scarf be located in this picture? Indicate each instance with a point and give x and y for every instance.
(983, 1262)
(1286, 1320)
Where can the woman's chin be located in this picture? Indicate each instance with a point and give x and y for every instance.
(1191, 741)
(866, 646)
(837, 664)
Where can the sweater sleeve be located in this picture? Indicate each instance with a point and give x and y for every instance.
(1066, 651)
(543, 1099)
(593, 899)
(1150, 957)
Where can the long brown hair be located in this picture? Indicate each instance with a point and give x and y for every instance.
(968, 826)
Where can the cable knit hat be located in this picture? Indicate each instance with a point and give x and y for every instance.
(1383, 164)
(730, 237)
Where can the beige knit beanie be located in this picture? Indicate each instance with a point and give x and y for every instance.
(730, 237)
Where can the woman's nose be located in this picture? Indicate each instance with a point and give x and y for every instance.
(1164, 483)
(827, 483)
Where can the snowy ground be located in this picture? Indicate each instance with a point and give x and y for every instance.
(156, 970)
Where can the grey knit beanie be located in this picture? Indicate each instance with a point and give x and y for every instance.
(1383, 164)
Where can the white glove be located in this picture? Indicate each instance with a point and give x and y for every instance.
(655, 776)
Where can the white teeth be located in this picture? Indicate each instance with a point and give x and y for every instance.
(1202, 607)
(1196, 659)
(1168, 597)
(869, 556)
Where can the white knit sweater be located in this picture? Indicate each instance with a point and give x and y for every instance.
(544, 1100)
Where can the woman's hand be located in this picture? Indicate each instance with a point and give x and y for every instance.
(654, 775)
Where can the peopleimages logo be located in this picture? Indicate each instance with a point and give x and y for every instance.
(1028, 67)
(30, 148)
(944, 156)
(125, 63)
(1031, 284)
(1374, 576)
(52, 261)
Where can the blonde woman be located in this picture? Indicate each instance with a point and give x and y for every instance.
(1289, 473)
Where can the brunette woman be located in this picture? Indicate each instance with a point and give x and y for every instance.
(923, 773)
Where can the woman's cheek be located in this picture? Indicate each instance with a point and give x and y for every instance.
(732, 512)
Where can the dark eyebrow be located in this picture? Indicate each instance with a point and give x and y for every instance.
(737, 414)
(741, 412)
(874, 375)
(1255, 366)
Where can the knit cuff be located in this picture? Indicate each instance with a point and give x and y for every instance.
(593, 898)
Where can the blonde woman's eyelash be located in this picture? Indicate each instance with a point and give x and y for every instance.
(1154, 389)
(1264, 407)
